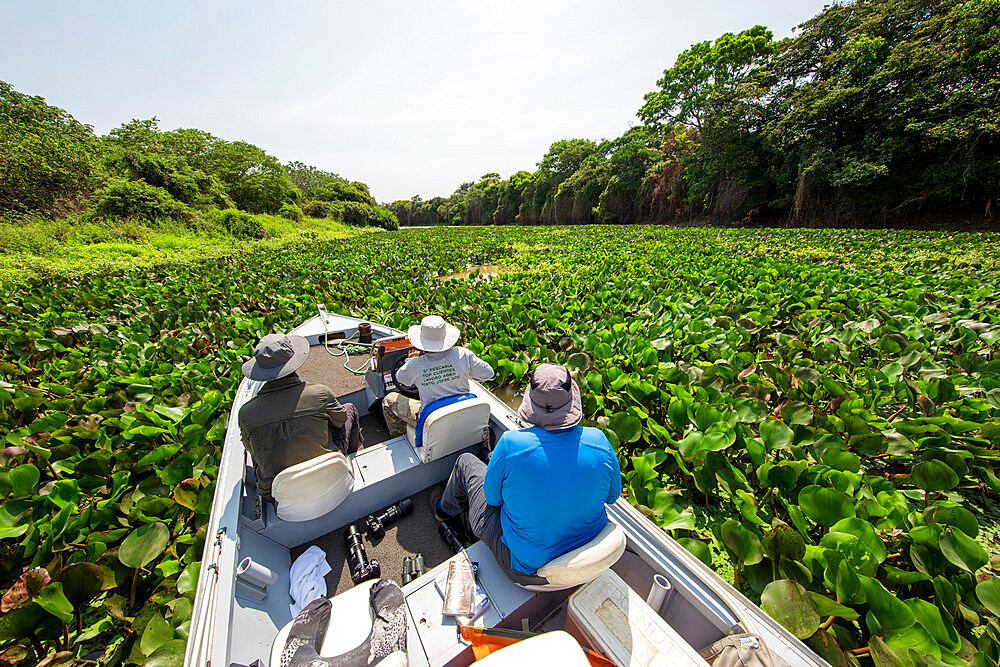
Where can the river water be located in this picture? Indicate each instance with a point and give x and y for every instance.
(509, 395)
(486, 271)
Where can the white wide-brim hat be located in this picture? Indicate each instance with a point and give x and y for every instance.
(433, 334)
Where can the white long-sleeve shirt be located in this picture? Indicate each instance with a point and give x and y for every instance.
(441, 374)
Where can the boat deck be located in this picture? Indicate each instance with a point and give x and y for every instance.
(327, 369)
(411, 535)
(236, 626)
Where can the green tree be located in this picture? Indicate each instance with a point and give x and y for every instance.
(255, 181)
(565, 157)
(705, 75)
(890, 108)
(47, 158)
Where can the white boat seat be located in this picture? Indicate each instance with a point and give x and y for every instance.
(551, 648)
(350, 627)
(452, 428)
(583, 564)
(312, 488)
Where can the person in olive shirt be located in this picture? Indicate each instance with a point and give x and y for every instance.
(289, 420)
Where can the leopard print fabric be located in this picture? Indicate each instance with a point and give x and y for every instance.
(388, 633)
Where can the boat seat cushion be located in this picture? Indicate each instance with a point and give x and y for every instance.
(452, 428)
(587, 562)
(368, 621)
(312, 488)
(551, 648)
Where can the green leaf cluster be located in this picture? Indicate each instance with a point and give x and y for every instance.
(817, 407)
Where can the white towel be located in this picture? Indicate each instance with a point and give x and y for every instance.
(307, 582)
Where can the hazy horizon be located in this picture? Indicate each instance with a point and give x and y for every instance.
(410, 100)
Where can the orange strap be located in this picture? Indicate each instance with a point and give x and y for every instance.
(484, 642)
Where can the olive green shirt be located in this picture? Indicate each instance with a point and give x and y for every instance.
(289, 421)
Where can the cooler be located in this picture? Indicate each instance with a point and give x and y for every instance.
(612, 619)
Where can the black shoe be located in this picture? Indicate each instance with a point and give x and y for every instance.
(483, 454)
(436, 509)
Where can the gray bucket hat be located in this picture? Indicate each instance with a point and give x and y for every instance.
(552, 399)
(276, 356)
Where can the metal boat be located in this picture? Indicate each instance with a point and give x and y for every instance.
(237, 619)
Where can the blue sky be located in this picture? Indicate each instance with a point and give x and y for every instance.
(409, 97)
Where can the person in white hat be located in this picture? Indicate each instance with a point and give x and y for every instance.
(443, 370)
(290, 420)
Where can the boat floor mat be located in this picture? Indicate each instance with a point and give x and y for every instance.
(414, 534)
(373, 429)
(323, 368)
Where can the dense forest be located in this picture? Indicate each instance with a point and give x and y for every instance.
(52, 165)
(875, 112)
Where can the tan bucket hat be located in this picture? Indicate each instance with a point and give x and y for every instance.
(433, 334)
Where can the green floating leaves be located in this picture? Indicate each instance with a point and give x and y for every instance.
(700, 549)
(168, 654)
(783, 542)
(865, 533)
(941, 629)
(188, 578)
(53, 600)
(827, 607)
(962, 550)
(627, 426)
(578, 361)
(23, 480)
(143, 545)
(890, 612)
(934, 476)
(775, 434)
(719, 435)
(157, 633)
(988, 592)
(824, 505)
(740, 542)
(792, 606)
(749, 409)
(82, 582)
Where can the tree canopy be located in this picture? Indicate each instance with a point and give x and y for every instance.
(873, 112)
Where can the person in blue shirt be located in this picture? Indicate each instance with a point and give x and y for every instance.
(545, 488)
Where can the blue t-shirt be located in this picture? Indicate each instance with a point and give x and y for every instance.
(551, 487)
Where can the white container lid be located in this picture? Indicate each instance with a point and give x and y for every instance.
(618, 622)
(551, 648)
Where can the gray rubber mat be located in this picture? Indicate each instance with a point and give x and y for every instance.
(322, 368)
(416, 533)
(373, 430)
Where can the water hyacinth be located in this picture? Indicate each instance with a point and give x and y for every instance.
(815, 413)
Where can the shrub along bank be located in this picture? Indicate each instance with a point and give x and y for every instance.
(52, 165)
(819, 411)
(33, 248)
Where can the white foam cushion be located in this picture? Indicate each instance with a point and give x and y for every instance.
(587, 562)
(351, 617)
(551, 648)
(452, 428)
(312, 488)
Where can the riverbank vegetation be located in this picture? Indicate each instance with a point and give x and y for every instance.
(873, 113)
(55, 168)
(33, 248)
(814, 413)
